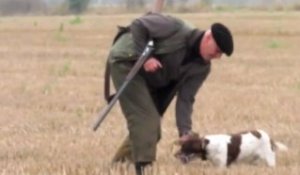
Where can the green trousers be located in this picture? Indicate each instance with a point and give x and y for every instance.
(162, 100)
(142, 116)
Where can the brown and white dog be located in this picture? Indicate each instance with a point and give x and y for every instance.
(224, 149)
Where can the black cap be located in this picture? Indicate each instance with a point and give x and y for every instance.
(223, 38)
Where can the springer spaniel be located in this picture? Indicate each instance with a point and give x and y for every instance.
(224, 149)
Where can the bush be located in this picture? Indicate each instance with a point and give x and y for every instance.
(78, 6)
(296, 7)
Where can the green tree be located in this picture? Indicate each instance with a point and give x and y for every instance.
(78, 6)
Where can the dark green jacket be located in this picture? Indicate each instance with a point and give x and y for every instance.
(172, 41)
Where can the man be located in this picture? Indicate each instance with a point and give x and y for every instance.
(178, 66)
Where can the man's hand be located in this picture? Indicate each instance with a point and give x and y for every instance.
(152, 64)
(185, 143)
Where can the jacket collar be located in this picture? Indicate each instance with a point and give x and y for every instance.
(193, 37)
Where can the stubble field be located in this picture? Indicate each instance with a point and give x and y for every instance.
(51, 88)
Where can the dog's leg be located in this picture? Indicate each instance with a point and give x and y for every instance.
(268, 155)
(271, 158)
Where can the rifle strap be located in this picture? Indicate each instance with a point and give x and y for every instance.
(108, 97)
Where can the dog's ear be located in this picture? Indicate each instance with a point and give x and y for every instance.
(204, 143)
(187, 137)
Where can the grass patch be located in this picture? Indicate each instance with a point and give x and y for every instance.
(48, 88)
(298, 86)
(59, 34)
(61, 27)
(60, 37)
(61, 71)
(79, 112)
(273, 44)
(65, 69)
(76, 20)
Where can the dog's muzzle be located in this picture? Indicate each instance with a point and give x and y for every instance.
(185, 158)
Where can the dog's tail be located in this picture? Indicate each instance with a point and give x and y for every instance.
(279, 146)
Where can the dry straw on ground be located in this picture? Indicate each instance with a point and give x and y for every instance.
(51, 71)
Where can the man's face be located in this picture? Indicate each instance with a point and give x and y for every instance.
(209, 48)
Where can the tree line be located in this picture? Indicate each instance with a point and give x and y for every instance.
(13, 7)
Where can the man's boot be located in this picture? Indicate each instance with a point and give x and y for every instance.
(140, 167)
(124, 152)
